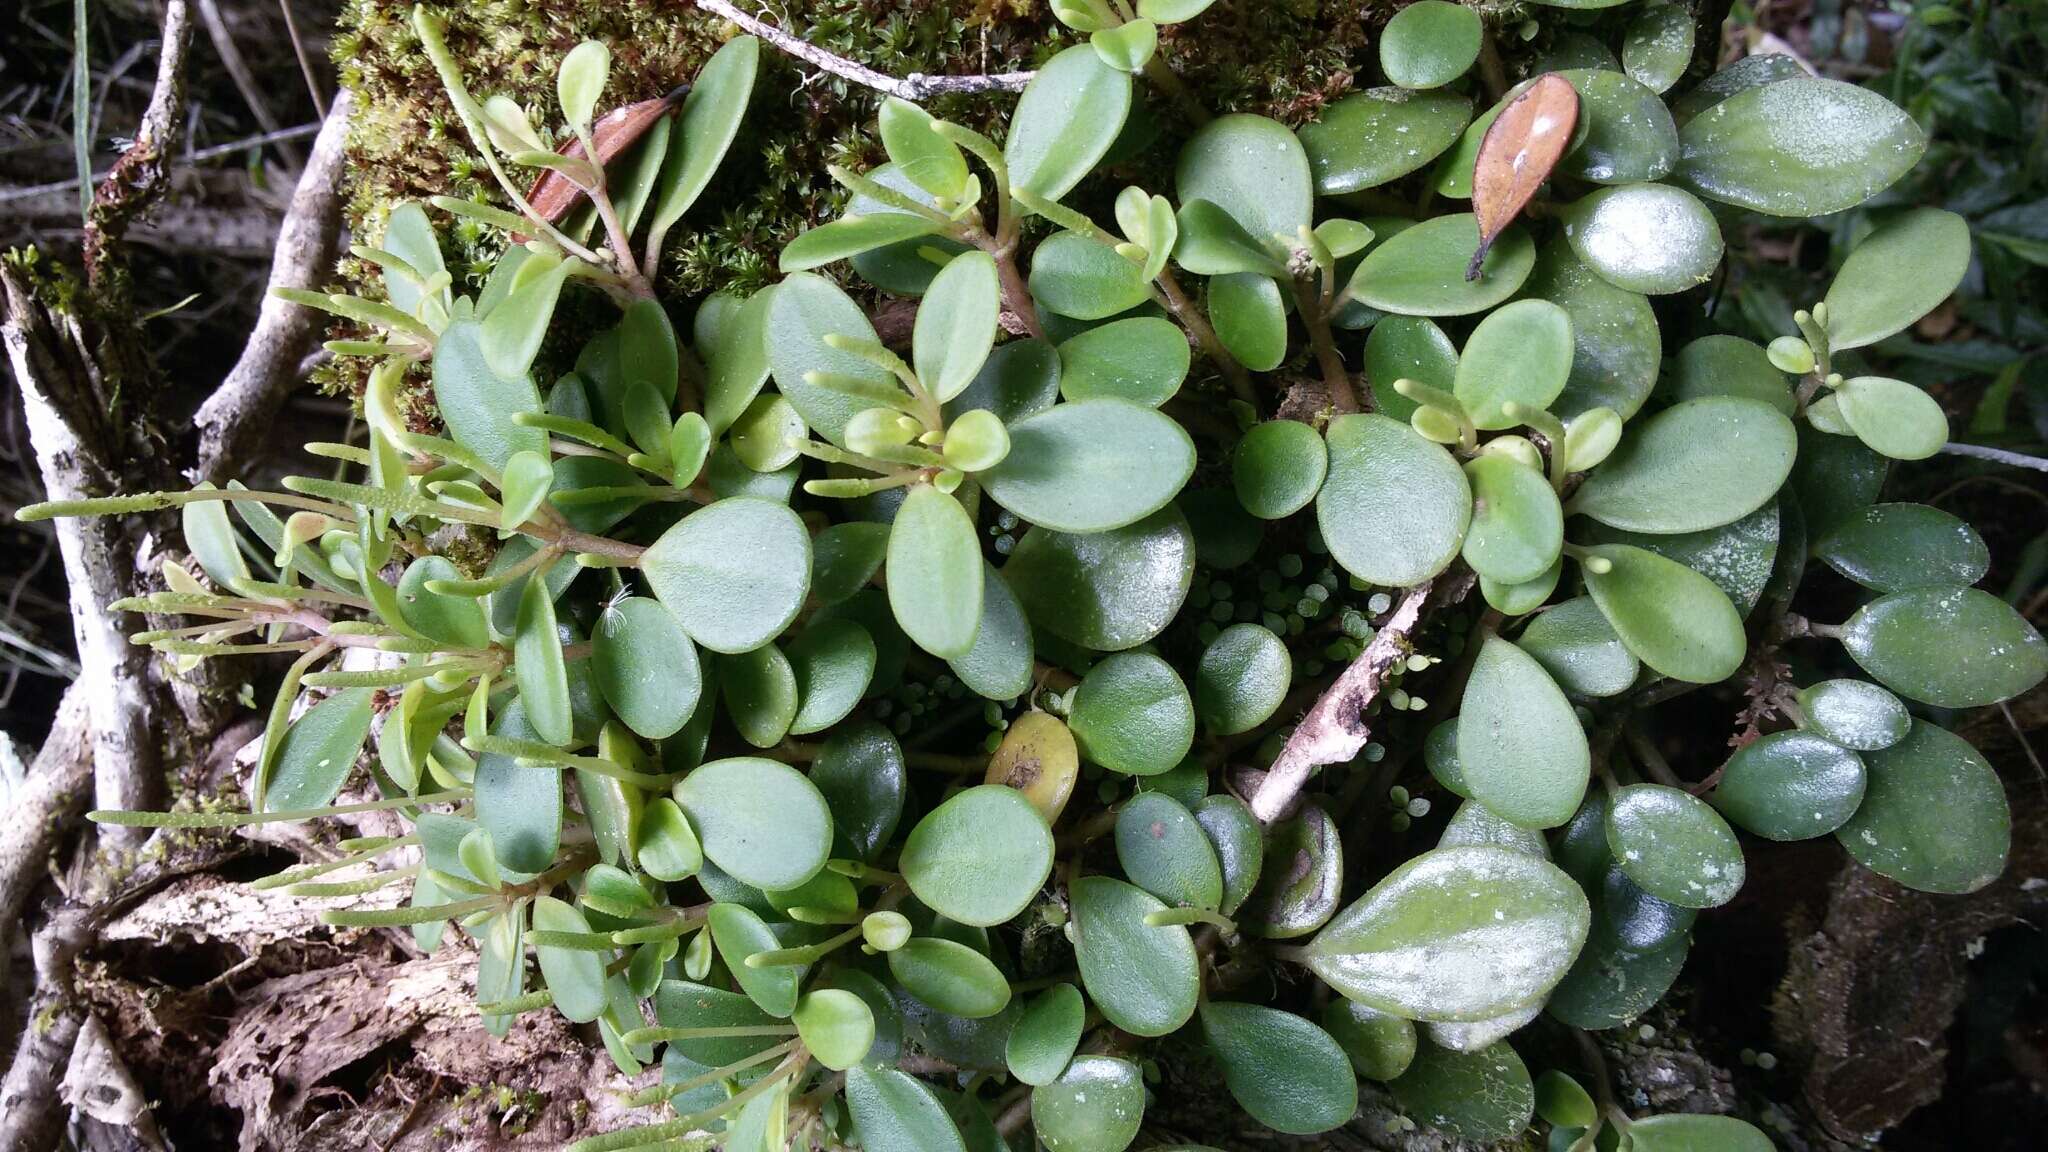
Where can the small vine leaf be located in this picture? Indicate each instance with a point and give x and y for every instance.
(1516, 155)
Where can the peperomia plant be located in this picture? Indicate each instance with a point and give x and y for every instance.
(891, 716)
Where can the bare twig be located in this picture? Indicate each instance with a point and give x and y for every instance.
(1335, 730)
(291, 29)
(236, 418)
(31, 191)
(244, 79)
(138, 178)
(1999, 455)
(52, 796)
(916, 87)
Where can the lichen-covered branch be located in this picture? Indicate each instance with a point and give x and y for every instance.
(916, 87)
(139, 177)
(52, 795)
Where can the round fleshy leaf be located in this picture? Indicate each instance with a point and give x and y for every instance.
(999, 666)
(1065, 121)
(318, 752)
(895, 1111)
(1887, 547)
(1143, 359)
(734, 573)
(1579, 648)
(477, 402)
(1440, 756)
(1039, 759)
(1250, 318)
(801, 311)
(1301, 878)
(1900, 272)
(1484, 1097)
(1800, 147)
(934, 572)
(833, 662)
(1164, 851)
(1520, 748)
(760, 692)
(836, 1026)
(1069, 467)
(646, 666)
(1254, 169)
(1132, 714)
(1790, 786)
(1738, 556)
(1728, 366)
(453, 620)
(1456, 934)
(765, 436)
(1105, 591)
(573, 976)
(1081, 277)
(1020, 378)
(1934, 816)
(1290, 1075)
(1239, 843)
(1407, 348)
(1395, 506)
(1127, 46)
(1520, 352)
(1370, 138)
(1429, 44)
(1421, 270)
(1674, 619)
(1380, 1046)
(1855, 714)
(1685, 1132)
(1611, 985)
(950, 977)
(1631, 919)
(1144, 979)
(1674, 846)
(1475, 823)
(1096, 1105)
(1893, 417)
(1647, 238)
(740, 932)
(1748, 72)
(1626, 135)
(759, 820)
(1656, 52)
(980, 857)
(1278, 468)
(1949, 647)
(1242, 679)
(1699, 464)
(667, 848)
(860, 773)
(1617, 346)
(844, 557)
(1046, 1035)
(1517, 528)
(1480, 1034)
(1835, 477)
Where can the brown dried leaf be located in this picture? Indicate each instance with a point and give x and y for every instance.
(553, 195)
(1516, 155)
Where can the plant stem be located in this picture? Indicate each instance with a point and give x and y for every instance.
(1191, 318)
(1315, 314)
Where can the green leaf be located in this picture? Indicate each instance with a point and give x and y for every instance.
(1407, 348)
(802, 311)
(934, 569)
(759, 820)
(760, 694)
(1748, 72)
(999, 666)
(1681, 1132)
(1379, 1046)
(1132, 714)
(501, 964)
(1301, 878)
(477, 403)
(1647, 238)
(684, 1004)
(1021, 378)
(710, 119)
(1611, 985)
(512, 330)
(1495, 929)
(1069, 466)
(528, 478)
(1046, 1035)
(844, 557)
(836, 1026)
(860, 773)
(212, 540)
(520, 806)
(1625, 133)
(734, 573)
(578, 84)
(1475, 823)
(1371, 138)
(1520, 352)
(1738, 557)
(538, 667)
(1674, 847)
(574, 977)
(1242, 679)
(1239, 843)
(1164, 851)
(1083, 278)
(736, 348)
(894, 1111)
(1517, 526)
(1900, 272)
(1484, 1096)
(1520, 747)
(1674, 619)
(1096, 1105)
(668, 848)
(1656, 53)
(1855, 714)
(833, 662)
(1729, 366)
(409, 235)
(1278, 467)
(1698, 464)
(1142, 360)
(1250, 318)
(1893, 417)
(1172, 11)
(928, 159)
(1288, 1073)
(1934, 815)
(1799, 147)
(1790, 786)
(1887, 547)
(1949, 647)
(1105, 590)
(1127, 46)
(1395, 506)
(1143, 979)
(1254, 169)
(950, 976)
(849, 236)
(1579, 648)
(1429, 44)
(1617, 345)
(739, 932)
(1065, 121)
(1420, 271)
(980, 857)
(1209, 242)
(318, 752)
(956, 326)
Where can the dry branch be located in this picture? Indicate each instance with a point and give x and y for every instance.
(50, 798)
(917, 87)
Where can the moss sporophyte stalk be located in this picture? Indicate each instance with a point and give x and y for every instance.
(1132, 543)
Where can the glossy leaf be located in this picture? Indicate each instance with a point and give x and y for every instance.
(1790, 786)
(860, 773)
(1395, 506)
(1483, 1096)
(801, 312)
(1673, 846)
(1046, 1035)
(759, 820)
(1068, 466)
(1164, 851)
(950, 976)
(1371, 138)
(1239, 843)
(1286, 1072)
(1406, 348)
(1142, 359)
(477, 402)
(1039, 759)
(1674, 619)
(1066, 120)
(646, 666)
(895, 1111)
(1578, 647)
(1096, 1105)
(1698, 464)
(1421, 270)
(1379, 1046)
(1520, 747)
(1132, 714)
(1949, 647)
(1626, 136)
(1893, 417)
(1887, 547)
(1241, 680)
(1081, 277)
(1250, 318)
(1300, 879)
(931, 161)
(760, 693)
(1520, 352)
(705, 128)
(1800, 147)
(1647, 238)
(1144, 979)
(734, 572)
(980, 857)
(1429, 44)
(1278, 467)
(1934, 814)
(1687, 1132)
(1617, 345)
(935, 573)
(574, 977)
(1855, 714)
(318, 752)
(1254, 169)
(1728, 366)
(1107, 591)
(833, 662)
(1656, 53)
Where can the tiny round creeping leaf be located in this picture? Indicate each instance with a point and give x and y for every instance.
(1142, 359)
(1046, 1035)
(1242, 679)
(1483, 1096)
(1300, 880)
(1132, 714)
(1278, 468)
(1799, 147)
(1647, 238)
(1673, 846)
(1407, 348)
(759, 820)
(1790, 786)
(950, 977)
(980, 857)
(1254, 169)
(1039, 759)
(1370, 138)
(1380, 1046)
(1429, 44)
(1579, 648)
(646, 666)
(1520, 747)
(1934, 815)
(1697, 464)
(1855, 714)
(1454, 934)
(1893, 417)
(1239, 843)
(1107, 591)
(1946, 646)
(734, 573)
(1068, 467)
(1517, 528)
(1290, 1075)
(1096, 1105)
(1164, 851)
(1144, 979)
(1886, 547)
(1395, 506)
(1900, 272)
(1421, 270)
(833, 662)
